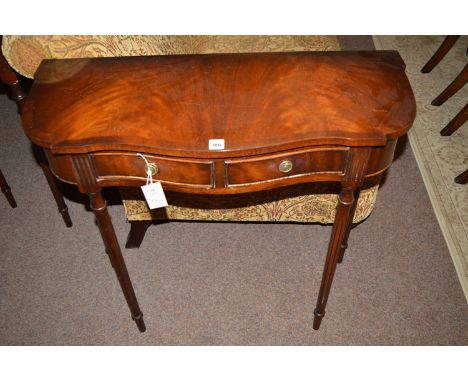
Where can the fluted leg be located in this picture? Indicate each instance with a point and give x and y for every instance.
(456, 122)
(7, 191)
(99, 207)
(340, 231)
(137, 233)
(454, 86)
(440, 53)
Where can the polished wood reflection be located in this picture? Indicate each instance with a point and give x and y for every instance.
(286, 118)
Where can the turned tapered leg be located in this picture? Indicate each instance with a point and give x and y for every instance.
(456, 122)
(137, 233)
(340, 231)
(454, 86)
(344, 245)
(440, 53)
(99, 207)
(7, 191)
(462, 178)
(62, 207)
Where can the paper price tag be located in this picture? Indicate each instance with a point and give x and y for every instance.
(154, 195)
(216, 144)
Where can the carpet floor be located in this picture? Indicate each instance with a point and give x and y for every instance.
(223, 283)
(440, 159)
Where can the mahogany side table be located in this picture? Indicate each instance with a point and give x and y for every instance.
(284, 118)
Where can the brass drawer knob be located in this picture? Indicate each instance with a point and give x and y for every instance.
(153, 168)
(285, 166)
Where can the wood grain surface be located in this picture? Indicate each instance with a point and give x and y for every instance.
(257, 103)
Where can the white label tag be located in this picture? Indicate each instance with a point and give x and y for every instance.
(154, 195)
(216, 144)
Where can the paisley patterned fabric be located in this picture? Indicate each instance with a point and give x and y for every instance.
(25, 53)
(315, 202)
(299, 203)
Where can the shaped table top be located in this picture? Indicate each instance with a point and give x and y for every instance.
(258, 103)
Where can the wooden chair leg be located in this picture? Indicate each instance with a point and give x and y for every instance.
(7, 191)
(99, 207)
(462, 178)
(137, 233)
(456, 122)
(450, 90)
(440, 53)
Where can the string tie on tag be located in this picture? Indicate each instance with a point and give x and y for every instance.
(149, 176)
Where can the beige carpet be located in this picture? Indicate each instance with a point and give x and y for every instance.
(223, 283)
(439, 158)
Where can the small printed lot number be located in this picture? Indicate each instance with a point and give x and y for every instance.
(216, 144)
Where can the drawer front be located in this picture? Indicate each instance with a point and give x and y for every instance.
(278, 166)
(184, 172)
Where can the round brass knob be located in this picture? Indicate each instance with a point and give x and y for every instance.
(285, 166)
(152, 168)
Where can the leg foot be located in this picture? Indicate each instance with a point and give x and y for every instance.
(318, 319)
(456, 122)
(140, 323)
(99, 207)
(462, 178)
(340, 231)
(440, 53)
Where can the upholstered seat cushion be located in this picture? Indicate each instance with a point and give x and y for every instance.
(25, 53)
(300, 203)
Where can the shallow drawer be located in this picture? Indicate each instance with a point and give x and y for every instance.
(187, 171)
(293, 164)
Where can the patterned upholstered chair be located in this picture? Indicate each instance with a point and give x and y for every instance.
(299, 203)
